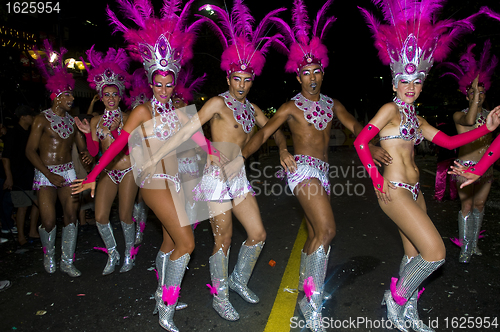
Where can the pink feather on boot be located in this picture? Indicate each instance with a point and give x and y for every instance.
(309, 287)
(170, 294)
(213, 289)
(397, 298)
(101, 249)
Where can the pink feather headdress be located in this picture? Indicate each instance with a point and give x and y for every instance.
(54, 71)
(107, 70)
(244, 47)
(413, 39)
(140, 92)
(163, 44)
(304, 49)
(186, 85)
(468, 68)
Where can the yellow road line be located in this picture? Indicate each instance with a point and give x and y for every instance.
(284, 304)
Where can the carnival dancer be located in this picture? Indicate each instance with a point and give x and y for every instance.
(474, 79)
(188, 160)
(232, 118)
(309, 115)
(49, 150)
(410, 43)
(164, 44)
(109, 77)
(140, 93)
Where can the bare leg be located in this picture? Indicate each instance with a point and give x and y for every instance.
(34, 214)
(127, 190)
(317, 208)
(412, 219)
(47, 203)
(481, 192)
(69, 204)
(20, 218)
(105, 195)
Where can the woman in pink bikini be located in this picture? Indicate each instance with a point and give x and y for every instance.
(410, 44)
(109, 77)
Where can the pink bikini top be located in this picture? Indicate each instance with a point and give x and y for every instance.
(409, 127)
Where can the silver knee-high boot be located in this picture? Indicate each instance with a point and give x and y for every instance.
(312, 302)
(220, 290)
(68, 246)
(48, 241)
(140, 216)
(174, 273)
(402, 289)
(302, 270)
(129, 255)
(465, 233)
(106, 232)
(161, 263)
(410, 312)
(247, 257)
(478, 223)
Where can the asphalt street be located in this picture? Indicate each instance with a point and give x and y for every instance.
(364, 256)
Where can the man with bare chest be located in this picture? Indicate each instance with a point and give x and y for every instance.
(309, 115)
(49, 150)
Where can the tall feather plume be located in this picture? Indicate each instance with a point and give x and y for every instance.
(320, 18)
(488, 12)
(184, 16)
(242, 20)
(300, 21)
(170, 7)
(268, 19)
(130, 11)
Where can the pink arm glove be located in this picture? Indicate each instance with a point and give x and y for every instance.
(115, 135)
(114, 149)
(361, 145)
(92, 146)
(490, 156)
(205, 144)
(453, 142)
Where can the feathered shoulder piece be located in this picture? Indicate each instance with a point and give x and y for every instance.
(162, 43)
(244, 46)
(412, 38)
(467, 69)
(140, 92)
(109, 69)
(304, 48)
(54, 71)
(187, 84)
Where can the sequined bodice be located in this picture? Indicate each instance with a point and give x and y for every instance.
(409, 127)
(165, 121)
(318, 113)
(107, 120)
(480, 117)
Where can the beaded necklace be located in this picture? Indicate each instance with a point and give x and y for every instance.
(318, 113)
(63, 126)
(243, 113)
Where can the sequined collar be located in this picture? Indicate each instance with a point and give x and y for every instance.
(244, 114)
(480, 118)
(169, 122)
(409, 129)
(63, 126)
(318, 113)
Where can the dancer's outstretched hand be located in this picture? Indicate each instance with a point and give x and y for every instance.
(84, 125)
(460, 169)
(493, 119)
(78, 186)
(287, 161)
(385, 196)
